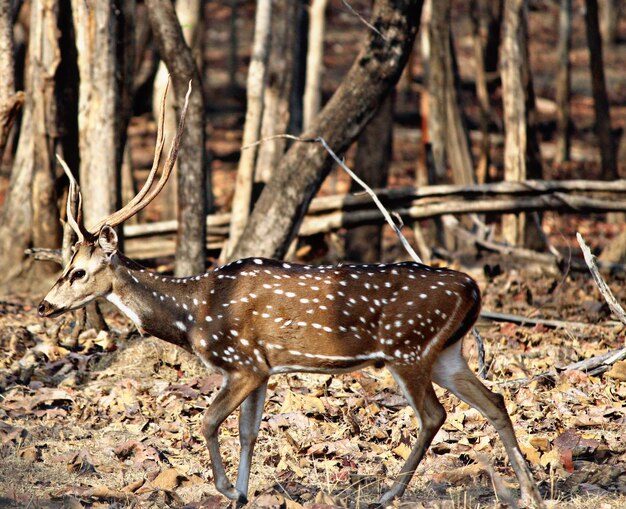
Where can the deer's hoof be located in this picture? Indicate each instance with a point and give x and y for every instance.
(387, 498)
(229, 491)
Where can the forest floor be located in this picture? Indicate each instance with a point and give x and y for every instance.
(115, 422)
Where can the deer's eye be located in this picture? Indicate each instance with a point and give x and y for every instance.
(77, 274)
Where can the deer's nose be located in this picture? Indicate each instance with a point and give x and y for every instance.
(43, 308)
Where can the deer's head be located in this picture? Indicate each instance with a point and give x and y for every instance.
(88, 274)
(86, 277)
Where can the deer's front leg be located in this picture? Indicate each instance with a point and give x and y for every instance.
(235, 389)
(250, 415)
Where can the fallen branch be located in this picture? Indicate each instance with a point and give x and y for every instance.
(610, 299)
(334, 212)
(42, 254)
(524, 320)
(593, 366)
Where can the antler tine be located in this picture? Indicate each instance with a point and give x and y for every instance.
(146, 195)
(73, 197)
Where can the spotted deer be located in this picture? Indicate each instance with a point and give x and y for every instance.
(257, 317)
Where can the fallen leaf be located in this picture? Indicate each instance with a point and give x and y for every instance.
(617, 371)
(168, 479)
(402, 450)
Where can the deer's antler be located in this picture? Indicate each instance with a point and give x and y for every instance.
(73, 197)
(146, 195)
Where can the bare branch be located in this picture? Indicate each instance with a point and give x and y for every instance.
(610, 299)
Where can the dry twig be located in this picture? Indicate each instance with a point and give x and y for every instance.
(610, 299)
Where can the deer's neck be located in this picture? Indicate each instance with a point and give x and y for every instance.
(158, 305)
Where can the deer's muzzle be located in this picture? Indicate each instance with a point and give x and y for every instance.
(46, 309)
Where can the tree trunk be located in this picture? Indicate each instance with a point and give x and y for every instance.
(446, 128)
(188, 14)
(495, 14)
(233, 46)
(10, 102)
(373, 155)
(30, 216)
(257, 73)
(314, 62)
(521, 158)
(608, 145)
(279, 211)
(296, 100)
(97, 27)
(437, 48)
(515, 118)
(190, 242)
(482, 93)
(276, 99)
(563, 84)
(457, 135)
(447, 131)
(610, 13)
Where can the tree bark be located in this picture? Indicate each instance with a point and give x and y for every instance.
(10, 102)
(373, 155)
(608, 145)
(30, 216)
(436, 84)
(188, 14)
(277, 94)
(277, 215)
(482, 93)
(457, 136)
(257, 74)
(610, 13)
(495, 15)
(97, 28)
(296, 100)
(314, 62)
(521, 159)
(190, 242)
(563, 84)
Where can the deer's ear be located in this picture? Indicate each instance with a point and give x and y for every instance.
(107, 239)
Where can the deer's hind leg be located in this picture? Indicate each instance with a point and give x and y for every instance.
(451, 371)
(236, 388)
(421, 395)
(250, 414)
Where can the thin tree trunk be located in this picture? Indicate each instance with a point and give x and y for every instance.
(515, 115)
(610, 13)
(10, 102)
(296, 100)
(277, 93)
(429, 172)
(608, 145)
(457, 135)
(97, 29)
(495, 14)
(314, 62)
(190, 242)
(373, 155)
(563, 84)
(257, 74)
(30, 216)
(482, 169)
(188, 14)
(279, 211)
(233, 46)
(437, 47)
